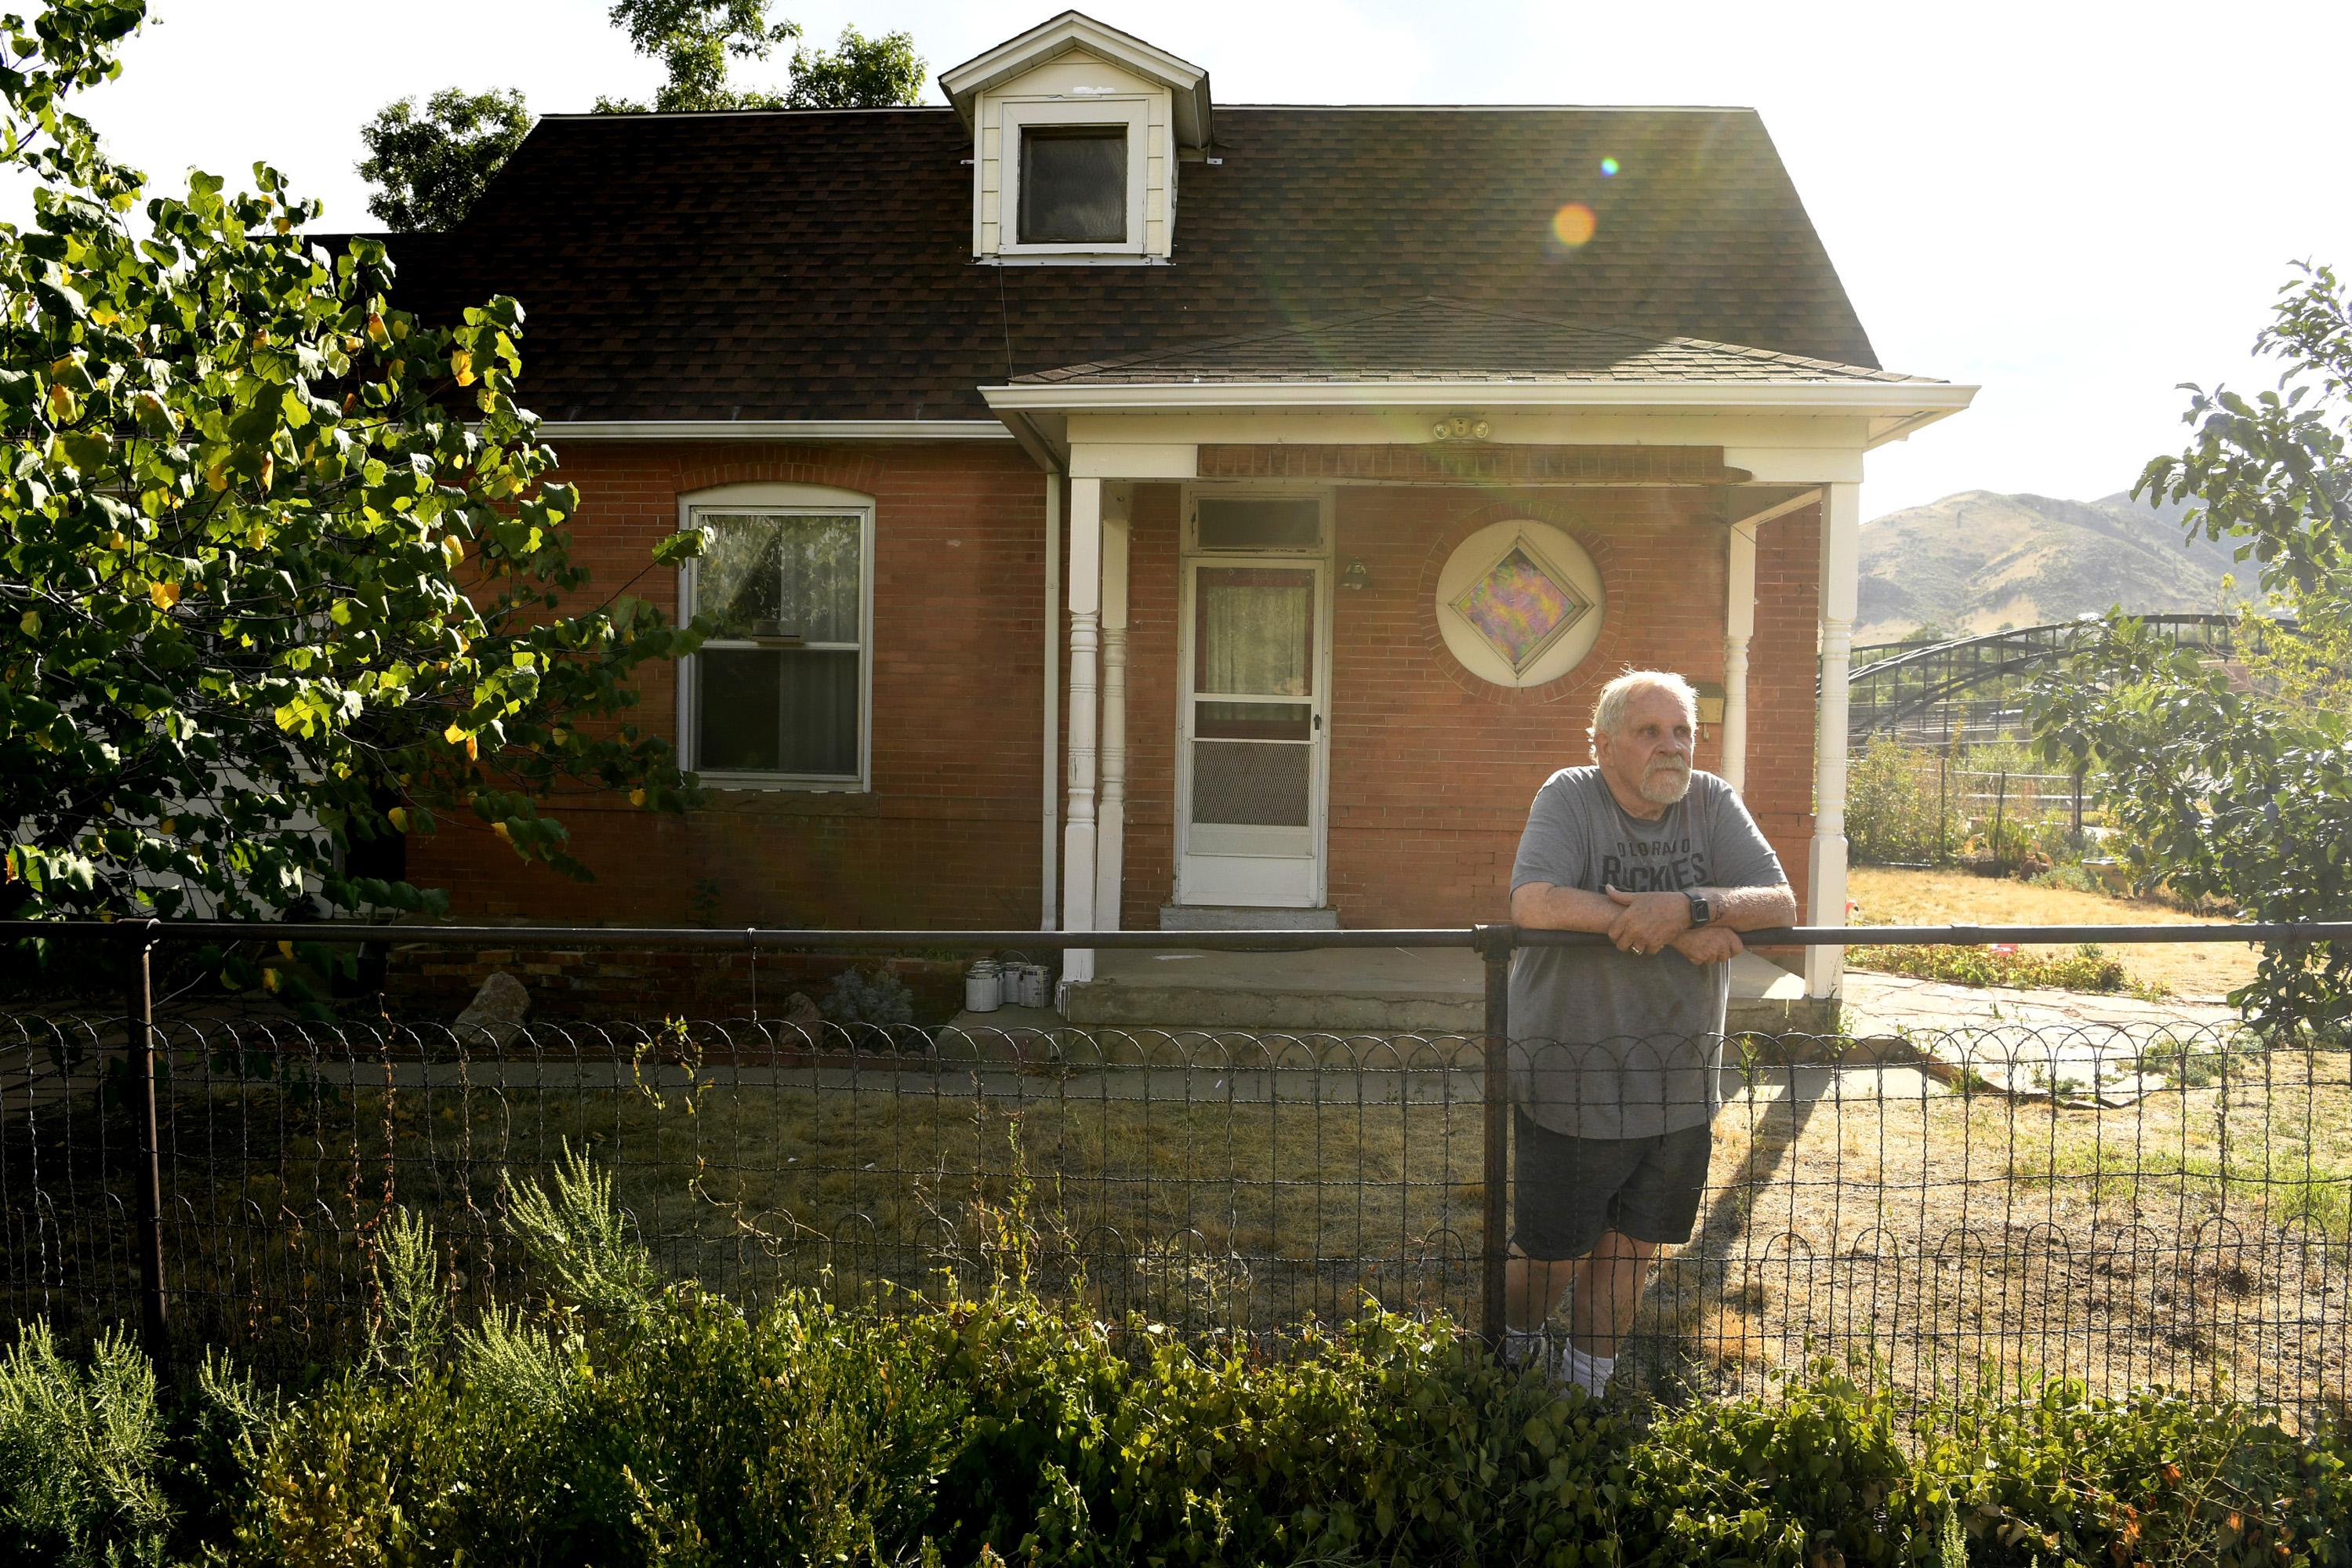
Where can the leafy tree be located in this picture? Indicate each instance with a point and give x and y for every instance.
(433, 167)
(860, 73)
(2228, 789)
(281, 572)
(694, 39)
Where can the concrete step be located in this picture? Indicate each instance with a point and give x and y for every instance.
(1352, 990)
(1366, 991)
(1234, 917)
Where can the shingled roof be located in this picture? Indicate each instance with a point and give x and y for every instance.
(1439, 340)
(817, 265)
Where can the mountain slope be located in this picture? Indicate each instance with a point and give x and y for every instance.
(1977, 560)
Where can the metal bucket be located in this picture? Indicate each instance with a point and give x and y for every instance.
(983, 986)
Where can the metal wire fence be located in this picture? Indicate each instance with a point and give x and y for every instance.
(2126, 1208)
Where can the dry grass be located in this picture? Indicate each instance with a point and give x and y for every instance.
(1891, 896)
(2197, 1236)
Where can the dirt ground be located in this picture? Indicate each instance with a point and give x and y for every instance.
(2193, 970)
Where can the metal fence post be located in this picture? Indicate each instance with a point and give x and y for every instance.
(1999, 811)
(141, 1026)
(1494, 943)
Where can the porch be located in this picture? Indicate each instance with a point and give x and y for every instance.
(1374, 991)
(1333, 602)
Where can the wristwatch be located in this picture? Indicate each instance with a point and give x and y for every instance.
(1700, 913)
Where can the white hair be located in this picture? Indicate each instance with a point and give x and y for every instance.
(1609, 713)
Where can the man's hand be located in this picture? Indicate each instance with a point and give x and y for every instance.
(1648, 922)
(1709, 944)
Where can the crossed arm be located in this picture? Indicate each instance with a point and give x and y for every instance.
(1647, 923)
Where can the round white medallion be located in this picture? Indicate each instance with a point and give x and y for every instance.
(1519, 602)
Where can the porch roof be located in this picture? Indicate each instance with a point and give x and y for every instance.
(1444, 342)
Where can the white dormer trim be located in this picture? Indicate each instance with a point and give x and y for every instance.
(1073, 70)
(1186, 83)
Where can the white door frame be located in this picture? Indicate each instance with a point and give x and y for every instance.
(1312, 891)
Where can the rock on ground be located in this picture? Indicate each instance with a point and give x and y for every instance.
(495, 1014)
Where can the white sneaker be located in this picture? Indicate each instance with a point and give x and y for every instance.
(1589, 1372)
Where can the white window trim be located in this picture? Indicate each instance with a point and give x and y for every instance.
(821, 500)
(1132, 109)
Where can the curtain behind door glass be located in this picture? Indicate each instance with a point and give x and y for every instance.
(1254, 632)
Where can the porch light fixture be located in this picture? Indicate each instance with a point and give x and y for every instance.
(1461, 427)
(1356, 577)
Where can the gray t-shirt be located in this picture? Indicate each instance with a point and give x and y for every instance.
(1605, 1044)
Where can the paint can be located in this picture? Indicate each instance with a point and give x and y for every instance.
(983, 986)
(1033, 985)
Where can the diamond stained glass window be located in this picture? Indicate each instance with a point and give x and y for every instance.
(1521, 605)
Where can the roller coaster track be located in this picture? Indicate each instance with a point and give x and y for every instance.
(1966, 688)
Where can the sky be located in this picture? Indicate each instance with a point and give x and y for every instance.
(2074, 204)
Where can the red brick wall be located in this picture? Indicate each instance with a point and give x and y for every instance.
(948, 836)
(1431, 768)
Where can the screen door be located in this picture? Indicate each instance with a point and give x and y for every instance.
(1252, 782)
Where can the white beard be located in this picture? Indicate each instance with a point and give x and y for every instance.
(1667, 789)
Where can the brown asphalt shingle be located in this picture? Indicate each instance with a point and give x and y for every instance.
(817, 265)
(1437, 339)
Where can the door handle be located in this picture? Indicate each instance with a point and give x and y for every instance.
(1318, 720)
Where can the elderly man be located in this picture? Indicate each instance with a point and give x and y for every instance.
(1617, 1048)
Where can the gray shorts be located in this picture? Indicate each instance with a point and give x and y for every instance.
(1571, 1190)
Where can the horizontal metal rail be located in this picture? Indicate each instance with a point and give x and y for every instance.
(1287, 940)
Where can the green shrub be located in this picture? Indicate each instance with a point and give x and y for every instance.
(2085, 969)
(1390, 1440)
(1896, 812)
(877, 997)
(615, 1421)
(2158, 1477)
(1816, 1476)
(78, 1451)
(2073, 875)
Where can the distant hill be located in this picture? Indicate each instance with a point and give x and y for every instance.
(1977, 560)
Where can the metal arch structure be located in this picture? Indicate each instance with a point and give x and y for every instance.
(1966, 688)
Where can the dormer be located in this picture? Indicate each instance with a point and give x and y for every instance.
(1076, 130)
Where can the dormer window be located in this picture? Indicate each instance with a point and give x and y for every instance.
(1076, 130)
(1072, 184)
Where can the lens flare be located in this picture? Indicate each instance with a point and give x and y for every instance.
(1608, 167)
(1573, 223)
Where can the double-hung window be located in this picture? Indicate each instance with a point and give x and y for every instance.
(779, 696)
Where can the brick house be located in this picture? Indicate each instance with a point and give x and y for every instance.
(1127, 510)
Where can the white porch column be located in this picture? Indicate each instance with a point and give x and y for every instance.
(1086, 640)
(1050, 890)
(1110, 831)
(1841, 572)
(1739, 628)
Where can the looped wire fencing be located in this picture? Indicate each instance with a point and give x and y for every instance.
(2124, 1207)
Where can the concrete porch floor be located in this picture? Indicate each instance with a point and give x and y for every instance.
(1355, 991)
